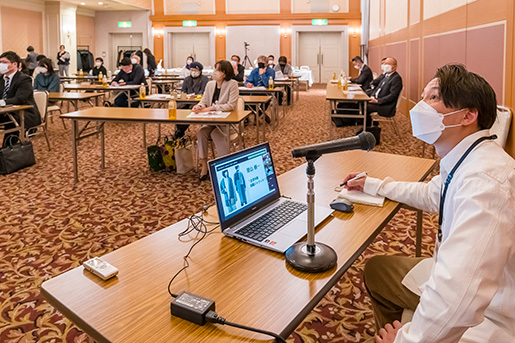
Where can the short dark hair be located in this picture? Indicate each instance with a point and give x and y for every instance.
(47, 63)
(99, 59)
(357, 59)
(226, 68)
(40, 57)
(460, 88)
(125, 61)
(225, 172)
(271, 56)
(11, 56)
(30, 48)
(238, 57)
(283, 59)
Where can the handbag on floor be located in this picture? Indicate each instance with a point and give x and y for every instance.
(184, 155)
(16, 156)
(168, 153)
(155, 158)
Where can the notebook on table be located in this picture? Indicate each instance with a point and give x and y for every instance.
(249, 204)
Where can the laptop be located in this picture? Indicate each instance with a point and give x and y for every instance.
(250, 205)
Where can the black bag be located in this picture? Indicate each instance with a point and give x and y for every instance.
(16, 156)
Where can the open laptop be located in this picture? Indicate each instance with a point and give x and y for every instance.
(249, 204)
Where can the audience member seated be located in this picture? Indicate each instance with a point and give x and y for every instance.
(375, 82)
(31, 60)
(186, 70)
(16, 89)
(47, 79)
(130, 74)
(365, 73)
(151, 61)
(221, 95)
(385, 95)
(284, 67)
(38, 68)
(99, 67)
(239, 70)
(260, 76)
(193, 84)
(271, 61)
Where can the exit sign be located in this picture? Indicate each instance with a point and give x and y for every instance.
(189, 23)
(319, 22)
(125, 24)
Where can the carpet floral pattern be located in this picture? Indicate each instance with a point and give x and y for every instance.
(48, 225)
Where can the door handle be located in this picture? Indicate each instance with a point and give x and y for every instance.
(318, 58)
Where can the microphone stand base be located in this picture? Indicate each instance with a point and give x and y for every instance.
(298, 257)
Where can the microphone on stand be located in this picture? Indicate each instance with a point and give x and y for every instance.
(310, 256)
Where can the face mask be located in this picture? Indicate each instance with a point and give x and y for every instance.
(43, 70)
(98, 64)
(234, 63)
(356, 66)
(188, 62)
(217, 75)
(261, 65)
(270, 62)
(387, 68)
(134, 61)
(427, 123)
(282, 64)
(382, 67)
(195, 74)
(4, 68)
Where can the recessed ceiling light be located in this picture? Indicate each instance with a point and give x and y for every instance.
(100, 3)
(83, 3)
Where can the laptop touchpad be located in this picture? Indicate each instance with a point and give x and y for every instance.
(295, 228)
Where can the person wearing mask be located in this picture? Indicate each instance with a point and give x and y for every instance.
(221, 94)
(136, 60)
(38, 69)
(16, 89)
(99, 67)
(375, 82)
(466, 291)
(151, 61)
(63, 61)
(260, 76)
(47, 79)
(130, 74)
(284, 67)
(365, 73)
(239, 70)
(186, 70)
(384, 97)
(193, 84)
(271, 61)
(31, 60)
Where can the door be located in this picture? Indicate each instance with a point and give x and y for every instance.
(124, 41)
(322, 53)
(190, 44)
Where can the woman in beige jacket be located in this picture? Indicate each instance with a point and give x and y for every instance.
(221, 94)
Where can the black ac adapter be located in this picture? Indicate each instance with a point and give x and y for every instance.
(191, 307)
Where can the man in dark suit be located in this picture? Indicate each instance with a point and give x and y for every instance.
(385, 95)
(16, 89)
(130, 74)
(365, 73)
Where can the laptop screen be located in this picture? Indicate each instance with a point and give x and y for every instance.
(243, 183)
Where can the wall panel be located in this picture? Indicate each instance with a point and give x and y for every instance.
(28, 29)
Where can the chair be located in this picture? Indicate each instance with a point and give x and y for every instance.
(501, 125)
(56, 108)
(377, 118)
(41, 98)
(304, 68)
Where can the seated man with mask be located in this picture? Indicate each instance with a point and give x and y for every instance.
(130, 74)
(260, 77)
(193, 84)
(466, 292)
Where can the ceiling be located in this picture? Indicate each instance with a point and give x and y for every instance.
(110, 5)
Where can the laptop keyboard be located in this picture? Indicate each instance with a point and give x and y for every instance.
(272, 221)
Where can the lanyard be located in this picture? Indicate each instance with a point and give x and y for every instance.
(449, 178)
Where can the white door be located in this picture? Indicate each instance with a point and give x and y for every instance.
(322, 53)
(190, 44)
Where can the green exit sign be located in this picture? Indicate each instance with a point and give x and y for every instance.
(189, 23)
(319, 22)
(125, 24)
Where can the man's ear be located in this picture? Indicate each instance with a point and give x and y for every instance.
(470, 117)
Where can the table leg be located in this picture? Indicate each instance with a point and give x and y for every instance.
(263, 128)
(240, 135)
(298, 88)
(74, 151)
(22, 126)
(144, 135)
(76, 104)
(129, 100)
(364, 116)
(102, 145)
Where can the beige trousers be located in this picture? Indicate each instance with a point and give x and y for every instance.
(219, 139)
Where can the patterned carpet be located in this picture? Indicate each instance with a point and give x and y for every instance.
(49, 226)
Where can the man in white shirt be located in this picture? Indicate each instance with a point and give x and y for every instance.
(466, 292)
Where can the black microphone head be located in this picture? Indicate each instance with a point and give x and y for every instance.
(367, 140)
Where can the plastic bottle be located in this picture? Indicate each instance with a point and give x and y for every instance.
(81, 73)
(100, 76)
(172, 107)
(270, 83)
(104, 81)
(334, 76)
(142, 91)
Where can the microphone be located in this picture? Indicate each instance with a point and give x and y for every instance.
(363, 141)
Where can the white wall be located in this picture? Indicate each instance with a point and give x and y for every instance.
(107, 23)
(263, 40)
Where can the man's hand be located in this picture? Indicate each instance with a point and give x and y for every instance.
(373, 101)
(387, 335)
(355, 185)
(249, 85)
(114, 83)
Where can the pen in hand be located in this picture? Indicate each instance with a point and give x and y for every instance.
(359, 176)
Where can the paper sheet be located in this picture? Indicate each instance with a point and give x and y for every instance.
(256, 88)
(361, 198)
(211, 114)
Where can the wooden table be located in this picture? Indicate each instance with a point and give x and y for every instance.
(162, 83)
(250, 285)
(272, 92)
(335, 95)
(74, 97)
(256, 101)
(100, 88)
(139, 115)
(19, 127)
(293, 83)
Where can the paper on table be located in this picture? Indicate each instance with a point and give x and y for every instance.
(158, 96)
(361, 198)
(256, 88)
(210, 114)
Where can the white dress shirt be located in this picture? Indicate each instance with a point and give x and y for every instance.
(469, 295)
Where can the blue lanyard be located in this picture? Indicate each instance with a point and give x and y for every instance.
(449, 178)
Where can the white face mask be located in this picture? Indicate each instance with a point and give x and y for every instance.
(4, 68)
(98, 64)
(188, 62)
(134, 61)
(382, 67)
(427, 123)
(43, 70)
(195, 73)
(270, 62)
(234, 63)
(217, 75)
(387, 68)
(356, 66)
